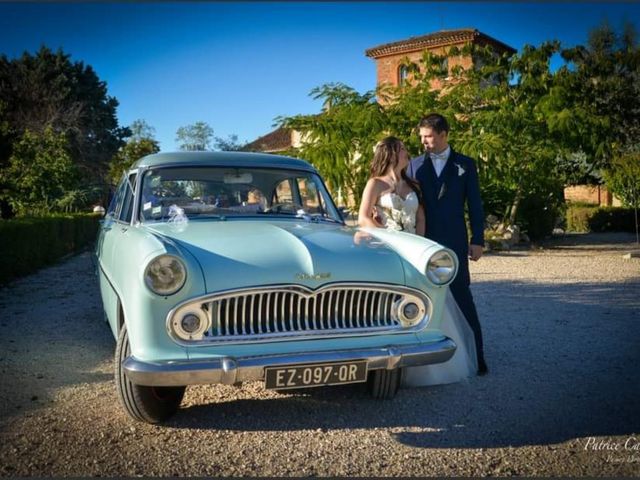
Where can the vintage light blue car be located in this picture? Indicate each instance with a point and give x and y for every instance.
(231, 267)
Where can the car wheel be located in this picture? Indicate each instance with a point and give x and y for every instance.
(384, 384)
(143, 403)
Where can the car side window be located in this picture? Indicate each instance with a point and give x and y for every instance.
(116, 201)
(127, 202)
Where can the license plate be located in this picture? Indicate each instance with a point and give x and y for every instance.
(319, 374)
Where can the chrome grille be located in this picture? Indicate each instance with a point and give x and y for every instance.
(292, 310)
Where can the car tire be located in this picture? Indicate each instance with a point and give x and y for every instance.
(143, 403)
(384, 384)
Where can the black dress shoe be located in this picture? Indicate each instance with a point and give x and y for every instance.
(482, 367)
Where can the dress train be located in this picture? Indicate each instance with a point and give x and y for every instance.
(461, 366)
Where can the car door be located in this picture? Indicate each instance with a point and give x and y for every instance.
(115, 224)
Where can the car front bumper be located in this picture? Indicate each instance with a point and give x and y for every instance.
(230, 370)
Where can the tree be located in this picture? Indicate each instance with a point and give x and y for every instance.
(229, 144)
(594, 104)
(196, 137)
(48, 91)
(500, 123)
(40, 173)
(5, 148)
(141, 129)
(623, 178)
(339, 142)
(140, 144)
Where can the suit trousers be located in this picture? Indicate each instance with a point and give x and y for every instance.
(462, 293)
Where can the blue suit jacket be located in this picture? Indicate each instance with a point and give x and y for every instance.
(444, 201)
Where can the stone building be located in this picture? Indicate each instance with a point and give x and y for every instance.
(391, 57)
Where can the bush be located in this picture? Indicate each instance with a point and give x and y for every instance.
(623, 178)
(613, 219)
(538, 214)
(600, 219)
(577, 217)
(30, 243)
(39, 173)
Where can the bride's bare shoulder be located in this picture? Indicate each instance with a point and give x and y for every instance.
(379, 185)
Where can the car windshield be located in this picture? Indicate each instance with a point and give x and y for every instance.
(233, 192)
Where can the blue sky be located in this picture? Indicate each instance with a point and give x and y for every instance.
(239, 65)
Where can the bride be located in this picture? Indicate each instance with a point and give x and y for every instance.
(392, 200)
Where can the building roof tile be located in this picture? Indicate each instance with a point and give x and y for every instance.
(276, 141)
(436, 39)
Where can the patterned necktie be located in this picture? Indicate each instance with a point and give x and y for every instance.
(439, 160)
(440, 156)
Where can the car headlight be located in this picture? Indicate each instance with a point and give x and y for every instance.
(441, 268)
(165, 275)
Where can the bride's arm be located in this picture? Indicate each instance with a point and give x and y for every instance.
(421, 224)
(367, 204)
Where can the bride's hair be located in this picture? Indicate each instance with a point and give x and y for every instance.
(385, 156)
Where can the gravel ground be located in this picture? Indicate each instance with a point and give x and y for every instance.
(561, 328)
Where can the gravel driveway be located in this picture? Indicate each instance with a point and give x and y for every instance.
(562, 333)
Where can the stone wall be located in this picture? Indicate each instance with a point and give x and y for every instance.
(388, 67)
(594, 194)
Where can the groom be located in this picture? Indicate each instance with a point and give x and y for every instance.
(449, 180)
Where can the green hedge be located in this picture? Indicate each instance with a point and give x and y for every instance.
(27, 244)
(538, 216)
(581, 218)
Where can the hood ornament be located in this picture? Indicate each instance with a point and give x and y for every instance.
(315, 276)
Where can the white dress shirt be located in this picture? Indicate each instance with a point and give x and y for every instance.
(439, 160)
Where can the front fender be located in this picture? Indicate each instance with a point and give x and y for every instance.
(144, 311)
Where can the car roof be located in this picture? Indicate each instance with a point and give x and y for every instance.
(222, 159)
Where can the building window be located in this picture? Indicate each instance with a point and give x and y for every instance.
(444, 66)
(403, 73)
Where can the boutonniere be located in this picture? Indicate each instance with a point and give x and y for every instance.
(460, 169)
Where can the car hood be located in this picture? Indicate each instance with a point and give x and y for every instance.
(241, 253)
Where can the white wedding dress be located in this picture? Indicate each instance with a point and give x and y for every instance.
(397, 213)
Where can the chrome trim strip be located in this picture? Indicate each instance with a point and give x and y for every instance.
(306, 313)
(267, 315)
(275, 312)
(366, 312)
(314, 318)
(344, 308)
(373, 308)
(218, 315)
(386, 302)
(282, 312)
(230, 370)
(351, 295)
(251, 317)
